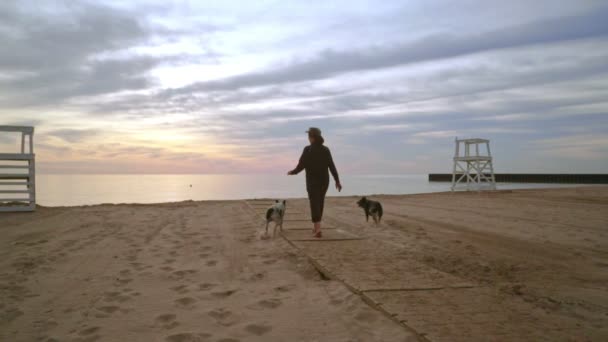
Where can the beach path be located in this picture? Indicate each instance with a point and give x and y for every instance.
(527, 265)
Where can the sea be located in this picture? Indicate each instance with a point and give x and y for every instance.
(71, 190)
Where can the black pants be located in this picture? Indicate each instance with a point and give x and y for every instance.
(316, 197)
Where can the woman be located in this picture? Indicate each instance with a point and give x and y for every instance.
(316, 159)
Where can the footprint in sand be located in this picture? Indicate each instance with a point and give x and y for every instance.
(123, 281)
(109, 309)
(257, 276)
(138, 266)
(167, 321)
(264, 304)
(182, 273)
(211, 262)
(165, 318)
(284, 288)
(223, 294)
(365, 316)
(223, 317)
(206, 286)
(180, 289)
(228, 340)
(169, 261)
(10, 314)
(116, 297)
(88, 331)
(271, 303)
(45, 324)
(203, 255)
(258, 329)
(167, 268)
(185, 302)
(188, 337)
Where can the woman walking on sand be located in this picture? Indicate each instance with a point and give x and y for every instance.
(316, 159)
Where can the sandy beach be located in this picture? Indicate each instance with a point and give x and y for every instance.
(497, 266)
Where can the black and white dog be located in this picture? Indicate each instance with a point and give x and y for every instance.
(371, 208)
(275, 214)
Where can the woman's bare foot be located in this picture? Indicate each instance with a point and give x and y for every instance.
(316, 231)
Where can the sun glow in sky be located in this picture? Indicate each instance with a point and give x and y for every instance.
(231, 86)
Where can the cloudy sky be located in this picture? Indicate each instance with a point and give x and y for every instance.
(231, 86)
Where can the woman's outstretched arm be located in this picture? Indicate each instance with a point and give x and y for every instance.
(301, 164)
(334, 171)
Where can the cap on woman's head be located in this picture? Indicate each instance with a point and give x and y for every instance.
(314, 131)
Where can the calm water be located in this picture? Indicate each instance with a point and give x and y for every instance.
(65, 190)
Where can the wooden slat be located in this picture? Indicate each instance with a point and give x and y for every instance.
(14, 176)
(14, 199)
(14, 167)
(16, 156)
(16, 183)
(22, 129)
(14, 191)
(11, 208)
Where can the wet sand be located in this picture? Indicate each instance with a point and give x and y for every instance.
(514, 265)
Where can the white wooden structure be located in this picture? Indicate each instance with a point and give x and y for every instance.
(18, 172)
(473, 165)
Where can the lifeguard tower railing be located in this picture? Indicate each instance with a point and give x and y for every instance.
(18, 171)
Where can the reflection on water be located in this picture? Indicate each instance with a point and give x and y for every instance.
(60, 190)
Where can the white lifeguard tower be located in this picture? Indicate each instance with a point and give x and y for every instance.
(18, 173)
(472, 165)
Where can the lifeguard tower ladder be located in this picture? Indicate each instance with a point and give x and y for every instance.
(18, 173)
(473, 167)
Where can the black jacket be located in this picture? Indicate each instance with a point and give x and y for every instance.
(316, 159)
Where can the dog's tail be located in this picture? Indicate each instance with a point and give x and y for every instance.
(379, 212)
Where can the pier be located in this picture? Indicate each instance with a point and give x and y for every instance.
(565, 178)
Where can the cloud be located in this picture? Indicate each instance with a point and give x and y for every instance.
(433, 47)
(73, 135)
(589, 146)
(47, 37)
(504, 88)
(55, 52)
(94, 78)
